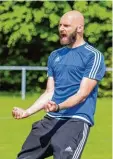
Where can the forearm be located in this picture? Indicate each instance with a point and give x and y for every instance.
(40, 102)
(73, 101)
(86, 87)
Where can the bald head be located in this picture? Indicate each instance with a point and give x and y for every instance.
(75, 17)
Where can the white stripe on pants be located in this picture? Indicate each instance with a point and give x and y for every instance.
(82, 142)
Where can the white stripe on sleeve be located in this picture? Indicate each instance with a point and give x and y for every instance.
(96, 63)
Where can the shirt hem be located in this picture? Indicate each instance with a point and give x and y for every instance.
(74, 116)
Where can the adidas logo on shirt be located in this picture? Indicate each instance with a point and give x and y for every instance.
(57, 59)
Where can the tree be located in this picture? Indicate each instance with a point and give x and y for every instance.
(28, 33)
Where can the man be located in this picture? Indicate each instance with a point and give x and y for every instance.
(70, 96)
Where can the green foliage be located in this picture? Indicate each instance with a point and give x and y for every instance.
(28, 33)
(98, 31)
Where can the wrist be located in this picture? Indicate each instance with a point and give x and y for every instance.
(58, 108)
(28, 112)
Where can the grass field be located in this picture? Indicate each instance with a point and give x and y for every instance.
(13, 132)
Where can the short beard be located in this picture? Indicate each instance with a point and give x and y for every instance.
(71, 38)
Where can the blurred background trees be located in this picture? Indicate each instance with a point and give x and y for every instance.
(29, 32)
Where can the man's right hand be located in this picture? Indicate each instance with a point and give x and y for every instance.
(19, 113)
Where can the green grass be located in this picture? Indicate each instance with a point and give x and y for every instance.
(13, 132)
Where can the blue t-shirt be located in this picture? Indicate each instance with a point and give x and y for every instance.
(68, 66)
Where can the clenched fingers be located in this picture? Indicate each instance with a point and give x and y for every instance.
(50, 106)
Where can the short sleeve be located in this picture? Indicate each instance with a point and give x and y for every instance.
(49, 65)
(95, 68)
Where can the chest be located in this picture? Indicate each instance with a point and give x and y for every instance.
(70, 64)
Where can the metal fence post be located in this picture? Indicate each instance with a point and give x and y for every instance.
(23, 83)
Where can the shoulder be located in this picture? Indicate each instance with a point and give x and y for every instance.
(55, 52)
(93, 52)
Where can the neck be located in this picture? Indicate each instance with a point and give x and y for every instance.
(78, 42)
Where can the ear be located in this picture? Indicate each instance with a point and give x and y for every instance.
(80, 28)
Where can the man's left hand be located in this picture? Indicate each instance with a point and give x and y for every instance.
(51, 107)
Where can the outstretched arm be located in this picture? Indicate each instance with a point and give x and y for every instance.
(19, 113)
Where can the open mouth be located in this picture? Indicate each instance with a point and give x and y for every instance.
(63, 36)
